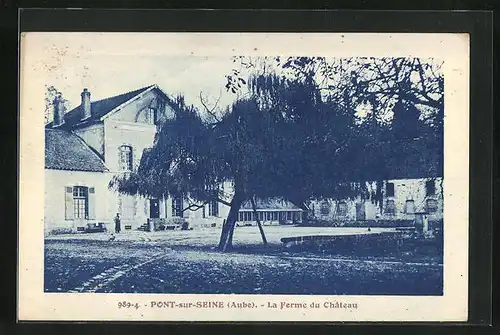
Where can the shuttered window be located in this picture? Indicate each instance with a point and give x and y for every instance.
(342, 209)
(79, 202)
(325, 208)
(213, 208)
(431, 205)
(390, 207)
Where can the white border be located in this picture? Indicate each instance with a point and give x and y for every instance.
(34, 304)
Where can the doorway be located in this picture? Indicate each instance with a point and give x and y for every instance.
(360, 212)
(154, 208)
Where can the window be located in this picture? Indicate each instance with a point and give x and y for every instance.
(213, 208)
(152, 115)
(177, 206)
(390, 207)
(342, 209)
(275, 216)
(389, 189)
(325, 208)
(128, 206)
(289, 216)
(432, 206)
(430, 187)
(125, 158)
(410, 207)
(80, 202)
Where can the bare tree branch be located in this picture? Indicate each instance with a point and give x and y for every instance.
(194, 207)
(211, 110)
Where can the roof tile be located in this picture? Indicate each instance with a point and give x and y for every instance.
(66, 151)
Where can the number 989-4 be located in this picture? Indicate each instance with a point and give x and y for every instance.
(127, 304)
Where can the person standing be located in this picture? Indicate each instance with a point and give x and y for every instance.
(117, 223)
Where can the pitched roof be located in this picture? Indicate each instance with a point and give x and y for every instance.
(66, 151)
(99, 108)
(270, 204)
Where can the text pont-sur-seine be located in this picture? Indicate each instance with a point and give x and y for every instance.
(239, 304)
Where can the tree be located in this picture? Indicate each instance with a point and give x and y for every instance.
(194, 157)
(395, 101)
(356, 81)
(291, 137)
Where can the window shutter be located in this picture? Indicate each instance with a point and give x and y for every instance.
(166, 207)
(185, 214)
(68, 201)
(91, 204)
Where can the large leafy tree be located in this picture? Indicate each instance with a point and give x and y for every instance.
(397, 104)
(307, 129)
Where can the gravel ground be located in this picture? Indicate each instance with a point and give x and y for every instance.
(185, 262)
(210, 237)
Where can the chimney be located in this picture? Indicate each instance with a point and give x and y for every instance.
(59, 109)
(86, 113)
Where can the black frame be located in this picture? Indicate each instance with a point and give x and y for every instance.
(478, 24)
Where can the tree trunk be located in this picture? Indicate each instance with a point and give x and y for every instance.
(254, 207)
(226, 237)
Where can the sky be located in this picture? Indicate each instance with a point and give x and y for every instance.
(106, 76)
(73, 64)
(109, 64)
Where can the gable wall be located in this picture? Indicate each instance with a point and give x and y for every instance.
(136, 111)
(93, 136)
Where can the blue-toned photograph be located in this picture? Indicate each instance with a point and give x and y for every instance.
(278, 175)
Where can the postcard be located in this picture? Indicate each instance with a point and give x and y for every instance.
(243, 177)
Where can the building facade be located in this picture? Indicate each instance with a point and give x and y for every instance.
(400, 199)
(110, 136)
(89, 145)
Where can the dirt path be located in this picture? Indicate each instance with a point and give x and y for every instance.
(108, 276)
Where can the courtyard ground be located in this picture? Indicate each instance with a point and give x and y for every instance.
(187, 262)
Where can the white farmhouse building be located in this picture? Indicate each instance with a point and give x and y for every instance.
(87, 146)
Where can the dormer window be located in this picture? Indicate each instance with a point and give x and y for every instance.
(125, 158)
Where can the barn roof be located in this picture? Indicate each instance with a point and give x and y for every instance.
(100, 108)
(66, 151)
